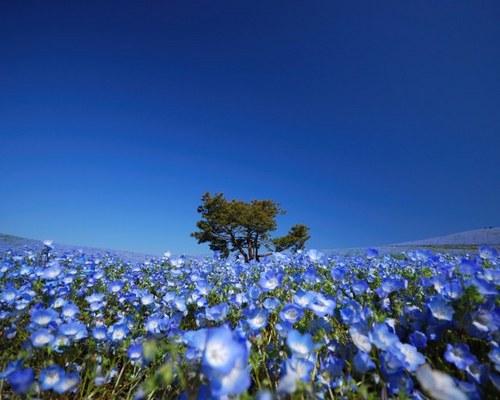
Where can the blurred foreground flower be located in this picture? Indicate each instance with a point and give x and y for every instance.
(438, 384)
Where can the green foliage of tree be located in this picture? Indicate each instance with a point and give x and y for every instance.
(237, 226)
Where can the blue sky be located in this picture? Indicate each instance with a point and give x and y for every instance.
(371, 122)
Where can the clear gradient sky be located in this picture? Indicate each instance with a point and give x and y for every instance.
(371, 122)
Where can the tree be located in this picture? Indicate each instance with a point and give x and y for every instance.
(230, 226)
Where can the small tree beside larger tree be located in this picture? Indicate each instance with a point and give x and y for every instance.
(237, 226)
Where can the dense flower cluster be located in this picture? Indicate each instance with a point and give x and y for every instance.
(410, 325)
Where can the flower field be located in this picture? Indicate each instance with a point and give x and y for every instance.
(412, 325)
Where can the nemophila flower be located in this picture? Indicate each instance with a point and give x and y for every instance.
(399, 383)
(300, 345)
(196, 339)
(440, 308)
(115, 286)
(157, 324)
(75, 331)
(51, 272)
(41, 337)
(322, 305)
(418, 339)
(299, 367)
(338, 273)
(70, 311)
(315, 255)
(478, 373)
(50, 376)
(459, 355)
(217, 313)
(42, 317)
(147, 299)
(271, 303)
(9, 295)
(236, 382)
(67, 383)
(390, 284)
(21, 380)
(270, 280)
(363, 363)
(180, 304)
(382, 337)
(291, 313)
(134, 353)
(11, 367)
(302, 298)
(488, 253)
(485, 320)
(438, 384)
(359, 287)
(359, 335)
(95, 297)
(484, 287)
(371, 253)
(352, 312)
(254, 292)
(222, 351)
(100, 333)
(118, 332)
(409, 355)
(494, 356)
(257, 319)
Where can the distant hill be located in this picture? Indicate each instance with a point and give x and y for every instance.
(478, 237)
(19, 244)
(468, 240)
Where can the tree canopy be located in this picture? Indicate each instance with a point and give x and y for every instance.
(237, 226)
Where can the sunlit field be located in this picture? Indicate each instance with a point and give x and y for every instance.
(409, 325)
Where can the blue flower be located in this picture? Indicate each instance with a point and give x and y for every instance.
(21, 380)
(257, 319)
(236, 382)
(270, 280)
(487, 252)
(115, 286)
(362, 362)
(300, 345)
(217, 313)
(100, 333)
(459, 355)
(299, 367)
(42, 337)
(73, 330)
(51, 376)
(157, 324)
(381, 337)
(42, 317)
(118, 332)
(371, 253)
(438, 384)
(359, 287)
(410, 357)
(418, 339)
(9, 295)
(359, 335)
(134, 352)
(440, 309)
(70, 311)
(68, 383)
(303, 299)
(271, 303)
(221, 351)
(322, 305)
(291, 313)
